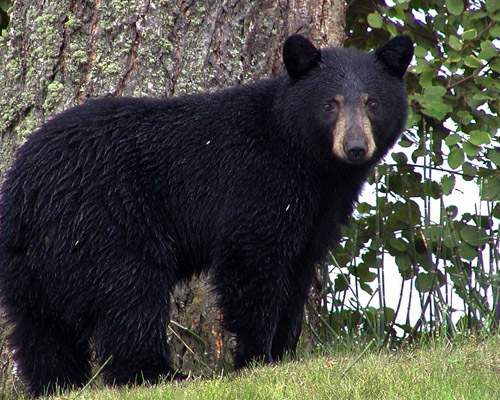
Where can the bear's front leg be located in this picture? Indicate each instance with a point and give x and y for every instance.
(292, 311)
(250, 295)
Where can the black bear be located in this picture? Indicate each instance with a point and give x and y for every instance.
(111, 203)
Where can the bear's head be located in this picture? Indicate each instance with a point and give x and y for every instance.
(347, 103)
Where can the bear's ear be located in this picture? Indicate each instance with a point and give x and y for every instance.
(299, 55)
(396, 54)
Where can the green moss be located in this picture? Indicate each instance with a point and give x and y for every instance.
(53, 96)
(72, 22)
(109, 69)
(48, 29)
(12, 67)
(79, 57)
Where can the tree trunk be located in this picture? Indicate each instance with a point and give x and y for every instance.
(58, 54)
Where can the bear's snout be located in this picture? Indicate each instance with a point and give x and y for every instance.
(355, 151)
(353, 139)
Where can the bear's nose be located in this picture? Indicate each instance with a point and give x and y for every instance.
(355, 150)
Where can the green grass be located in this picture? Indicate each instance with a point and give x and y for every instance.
(435, 371)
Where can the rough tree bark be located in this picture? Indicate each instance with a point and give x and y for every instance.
(56, 54)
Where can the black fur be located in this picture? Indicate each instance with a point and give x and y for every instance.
(111, 203)
(299, 56)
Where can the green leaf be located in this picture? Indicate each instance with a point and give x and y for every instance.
(469, 171)
(452, 140)
(375, 20)
(494, 156)
(400, 158)
(5, 5)
(490, 189)
(495, 65)
(478, 138)
(456, 7)
(434, 92)
(496, 211)
(451, 211)
(483, 95)
(470, 149)
(492, 5)
(400, 11)
(392, 29)
(495, 31)
(465, 117)
(454, 57)
(387, 312)
(370, 258)
(469, 34)
(420, 51)
(426, 78)
(422, 65)
(434, 190)
(436, 109)
(474, 236)
(467, 252)
(472, 62)
(341, 283)
(398, 244)
(488, 51)
(432, 102)
(456, 157)
(455, 43)
(405, 143)
(365, 287)
(364, 274)
(447, 184)
(435, 233)
(424, 282)
(403, 261)
(478, 15)
(341, 257)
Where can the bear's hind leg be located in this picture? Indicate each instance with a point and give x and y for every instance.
(131, 334)
(49, 355)
(133, 350)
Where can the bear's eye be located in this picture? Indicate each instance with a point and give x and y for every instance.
(372, 104)
(331, 106)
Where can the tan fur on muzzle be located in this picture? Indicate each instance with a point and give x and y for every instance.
(352, 124)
